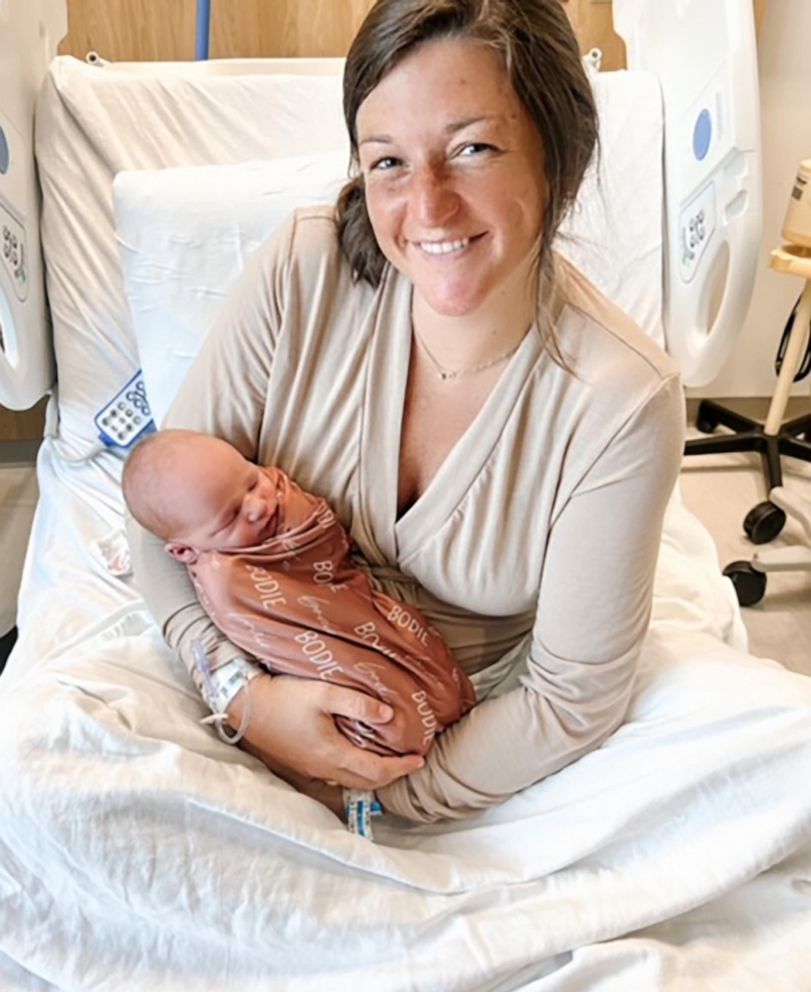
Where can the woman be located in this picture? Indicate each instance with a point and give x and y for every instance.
(498, 438)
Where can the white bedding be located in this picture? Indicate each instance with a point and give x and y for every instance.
(139, 852)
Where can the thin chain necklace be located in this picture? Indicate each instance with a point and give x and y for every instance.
(447, 374)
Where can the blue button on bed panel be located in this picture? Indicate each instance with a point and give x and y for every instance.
(702, 135)
(4, 157)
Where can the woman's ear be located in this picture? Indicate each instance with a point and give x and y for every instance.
(180, 552)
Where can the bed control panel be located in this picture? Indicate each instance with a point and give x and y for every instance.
(127, 418)
(696, 226)
(13, 252)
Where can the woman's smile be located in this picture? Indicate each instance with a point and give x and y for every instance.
(453, 175)
(449, 248)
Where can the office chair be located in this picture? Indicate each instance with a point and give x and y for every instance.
(749, 577)
(774, 438)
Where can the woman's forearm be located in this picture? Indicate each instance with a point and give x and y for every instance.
(172, 600)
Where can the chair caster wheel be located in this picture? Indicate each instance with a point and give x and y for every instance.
(749, 583)
(705, 422)
(764, 522)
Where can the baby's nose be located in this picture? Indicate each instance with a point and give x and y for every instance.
(254, 508)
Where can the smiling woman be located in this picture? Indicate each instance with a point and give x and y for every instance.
(493, 433)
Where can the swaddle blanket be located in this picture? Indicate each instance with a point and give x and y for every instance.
(297, 602)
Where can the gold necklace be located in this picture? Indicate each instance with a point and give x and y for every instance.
(447, 374)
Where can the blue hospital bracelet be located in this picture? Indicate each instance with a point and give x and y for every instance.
(361, 806)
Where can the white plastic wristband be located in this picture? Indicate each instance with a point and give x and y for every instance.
(228, 680)
(220, 687)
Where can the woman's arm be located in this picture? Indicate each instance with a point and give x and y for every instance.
(592, 615)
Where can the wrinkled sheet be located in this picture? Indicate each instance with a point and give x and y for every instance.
(138, 851)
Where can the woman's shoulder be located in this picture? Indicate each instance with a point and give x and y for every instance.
(306, 234)
(302, 264)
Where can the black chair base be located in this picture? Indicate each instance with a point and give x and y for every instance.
(793, 439)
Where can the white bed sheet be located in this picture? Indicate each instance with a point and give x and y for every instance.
(138, 851)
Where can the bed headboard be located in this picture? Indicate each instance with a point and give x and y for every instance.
(704, 53)
(29, 34)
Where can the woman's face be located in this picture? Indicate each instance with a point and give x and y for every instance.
(454, 174)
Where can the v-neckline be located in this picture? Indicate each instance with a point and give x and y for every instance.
(399, 538)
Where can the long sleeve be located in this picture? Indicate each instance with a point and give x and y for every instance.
(592, 615)
(224, 394)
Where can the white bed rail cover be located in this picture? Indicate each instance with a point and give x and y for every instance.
(29, 33)
(713, 194)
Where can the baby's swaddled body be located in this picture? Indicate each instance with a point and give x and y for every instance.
(298, 603)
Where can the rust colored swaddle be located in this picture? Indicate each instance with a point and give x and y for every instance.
(298, 603)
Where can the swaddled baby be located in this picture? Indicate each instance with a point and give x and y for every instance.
(271, 566)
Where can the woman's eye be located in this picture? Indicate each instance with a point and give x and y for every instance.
(385, 164)
(475, 148)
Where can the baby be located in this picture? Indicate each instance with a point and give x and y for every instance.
(271, 566)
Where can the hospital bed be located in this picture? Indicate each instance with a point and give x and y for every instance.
(137, 850)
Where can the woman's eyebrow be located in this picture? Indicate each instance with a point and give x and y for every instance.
(452, 128)
(460, 125)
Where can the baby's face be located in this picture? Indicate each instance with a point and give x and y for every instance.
(227, 501)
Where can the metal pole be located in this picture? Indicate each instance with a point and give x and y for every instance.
(203, 28)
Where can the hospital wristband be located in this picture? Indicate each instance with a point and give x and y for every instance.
(226, 682)
(220, 686)
(360, 806)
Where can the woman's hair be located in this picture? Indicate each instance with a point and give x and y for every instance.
(539, 51)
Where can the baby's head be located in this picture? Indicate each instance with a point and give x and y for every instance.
(198, 493)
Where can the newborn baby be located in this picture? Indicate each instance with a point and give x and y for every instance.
(271, 566)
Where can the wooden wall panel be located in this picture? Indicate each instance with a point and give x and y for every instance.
(595, 29)
(144, 30)
(293, 28)
(156, 29)
(27, 425)
(131, 30)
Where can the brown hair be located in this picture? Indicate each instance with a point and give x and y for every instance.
(537, 45)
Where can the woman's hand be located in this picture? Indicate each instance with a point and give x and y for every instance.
(291, 729)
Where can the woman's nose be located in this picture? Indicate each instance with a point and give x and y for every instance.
(433, 199)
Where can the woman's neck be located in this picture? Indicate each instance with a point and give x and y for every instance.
(497, 327)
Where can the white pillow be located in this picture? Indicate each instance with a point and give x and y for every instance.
(184, 235)
(614, 234)
(94, 121)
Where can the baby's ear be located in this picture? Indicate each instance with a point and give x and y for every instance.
(180, 552)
